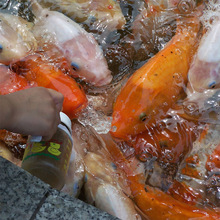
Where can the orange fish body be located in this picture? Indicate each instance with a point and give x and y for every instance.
(158, 205)
(156, 86)
(183, 193)
(213, 161)
(169, 142)
(35, 69)
(154, 203)
(11, 82)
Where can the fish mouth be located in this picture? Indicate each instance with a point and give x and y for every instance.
(117, 129)
(79, 108)
(119, 135)
(121, 130)
(104, 81)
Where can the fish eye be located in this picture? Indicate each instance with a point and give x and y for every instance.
(143, 116)
(92, 18)
(1, 48)
(163, 144)
(212, 85)
(75, 66)
(114, 166)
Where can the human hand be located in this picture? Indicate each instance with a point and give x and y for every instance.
(33, 111)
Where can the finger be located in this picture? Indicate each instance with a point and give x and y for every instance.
(47, 138)
(57, 119)
(53, 130)
(57, 98)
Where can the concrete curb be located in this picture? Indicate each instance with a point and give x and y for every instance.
(25, 197)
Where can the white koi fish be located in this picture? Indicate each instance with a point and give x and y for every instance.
(16, 39)
(203, 106)
(205, 70)
(102, 189)
(105, 13)
(78, 46)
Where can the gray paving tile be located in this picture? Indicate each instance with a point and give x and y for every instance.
(63, 207)
(25, 197)
(20, 192)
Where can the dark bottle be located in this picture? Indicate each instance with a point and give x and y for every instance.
(49, 160)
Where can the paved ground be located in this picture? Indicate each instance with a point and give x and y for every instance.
(25, 197)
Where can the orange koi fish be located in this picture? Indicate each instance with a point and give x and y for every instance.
(11, 82)
(198, 174)
(183, 6)
(163, 147)
(8, 155)
(154, 203)
(14, 142)
(35, 69)
(154, 88)
(169, 141)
